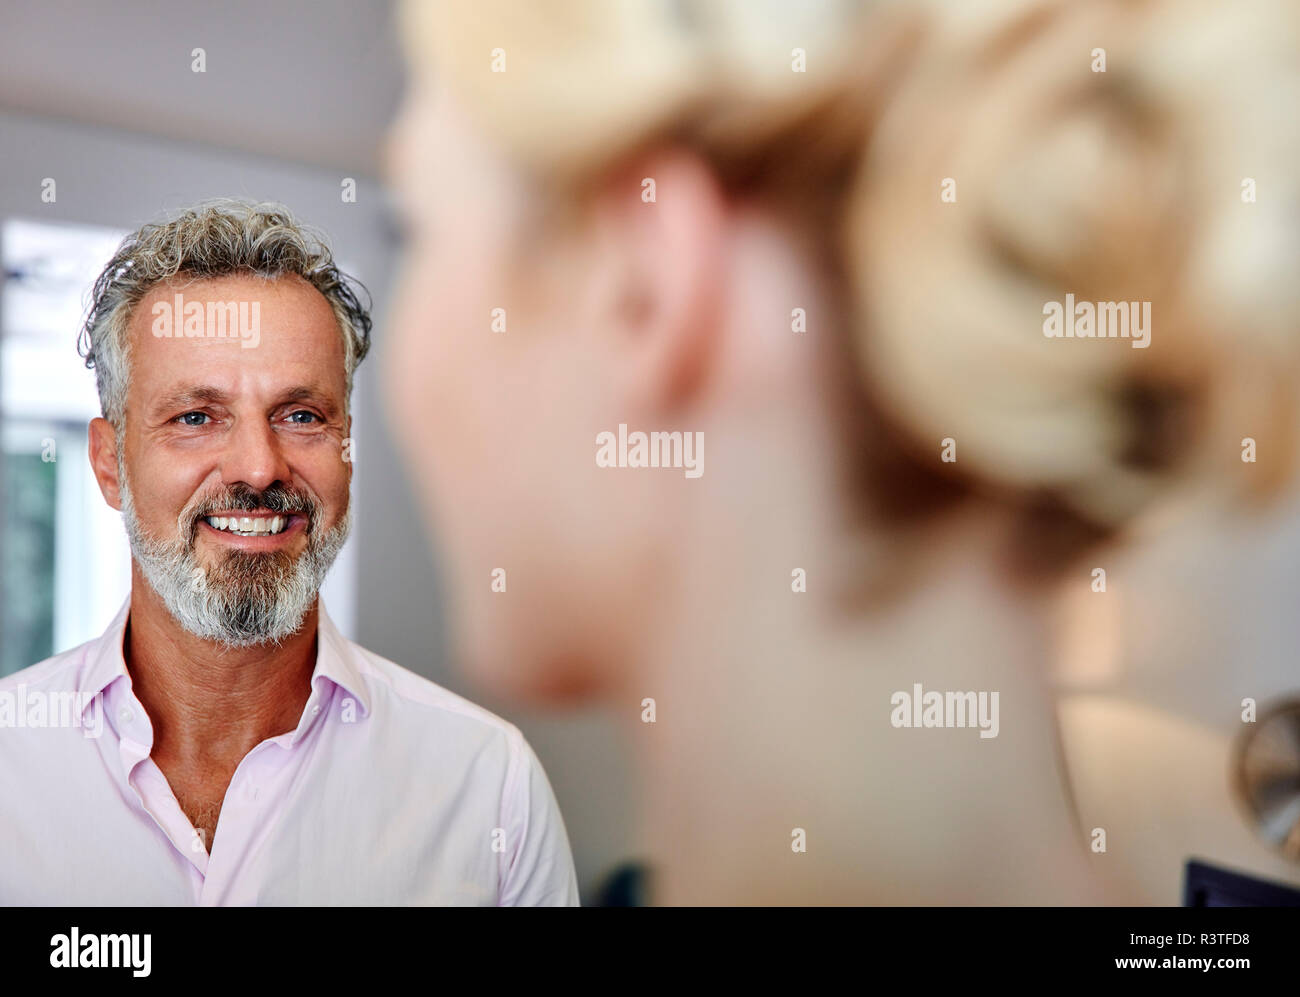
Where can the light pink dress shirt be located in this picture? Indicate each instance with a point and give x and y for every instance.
(391, 790)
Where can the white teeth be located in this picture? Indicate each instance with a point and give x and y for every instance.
(249, 525)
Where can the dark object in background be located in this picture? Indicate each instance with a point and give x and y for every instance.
(1266, 776)
(626, 886)
(1208, 886)
(27, 518)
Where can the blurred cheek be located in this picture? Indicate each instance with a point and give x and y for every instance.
(440, 374)
(411, 358)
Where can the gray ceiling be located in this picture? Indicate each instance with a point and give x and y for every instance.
(312, 82)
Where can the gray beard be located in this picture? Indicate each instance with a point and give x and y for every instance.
(245, 599)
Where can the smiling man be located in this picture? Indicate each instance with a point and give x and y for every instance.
(246, 752)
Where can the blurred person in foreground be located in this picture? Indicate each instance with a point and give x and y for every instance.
(823, 242)
(223, 743)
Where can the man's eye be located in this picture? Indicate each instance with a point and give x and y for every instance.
(192, 418)
(307, 417)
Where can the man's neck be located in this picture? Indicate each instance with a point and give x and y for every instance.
(210, 704)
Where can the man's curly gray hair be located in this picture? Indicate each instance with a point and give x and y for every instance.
(217, 238)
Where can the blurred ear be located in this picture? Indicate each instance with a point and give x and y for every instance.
(664, 269)
(103, 461)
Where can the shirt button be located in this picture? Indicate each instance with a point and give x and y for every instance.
(125, 715)
(315, 710)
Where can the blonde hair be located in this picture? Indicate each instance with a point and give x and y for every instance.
(1115, 184)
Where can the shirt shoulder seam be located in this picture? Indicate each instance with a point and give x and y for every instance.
(517, 760)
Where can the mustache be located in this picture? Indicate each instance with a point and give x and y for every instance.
(240, 497)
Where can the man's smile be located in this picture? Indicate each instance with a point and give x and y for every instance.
(258, 530)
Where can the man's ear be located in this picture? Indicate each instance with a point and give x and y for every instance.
(660, 228)
(103, 461)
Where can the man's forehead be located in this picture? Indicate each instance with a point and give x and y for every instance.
(214, 311)
(233, 333)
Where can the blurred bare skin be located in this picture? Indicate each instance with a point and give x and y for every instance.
(772, 707)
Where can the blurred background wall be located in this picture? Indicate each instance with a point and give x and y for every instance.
(294, 100)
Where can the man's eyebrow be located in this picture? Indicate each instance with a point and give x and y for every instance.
(199, 395)
(307, 393)
(208, 395)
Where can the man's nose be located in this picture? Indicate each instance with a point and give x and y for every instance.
(254, 455)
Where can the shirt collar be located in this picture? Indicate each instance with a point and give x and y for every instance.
(105, 662)
(335, 659)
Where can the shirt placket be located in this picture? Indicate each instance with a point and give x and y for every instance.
(135, 737)
(258, 785)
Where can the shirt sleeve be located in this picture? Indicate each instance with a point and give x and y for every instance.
(536, 864)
